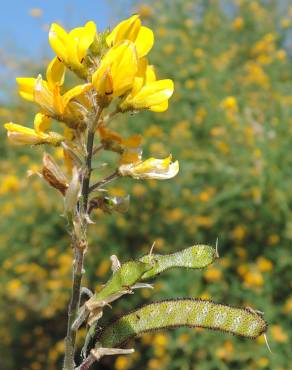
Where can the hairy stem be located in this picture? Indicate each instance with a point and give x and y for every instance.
(73, 306)
(79, 246)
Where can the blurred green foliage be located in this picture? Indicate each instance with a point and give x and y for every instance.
(230, 126)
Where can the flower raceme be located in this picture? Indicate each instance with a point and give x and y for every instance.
(122, 71)
(119, 70)
(20, 135)
(152, 168)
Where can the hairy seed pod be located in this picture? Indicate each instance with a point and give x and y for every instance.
(195, 257)
(186, 312)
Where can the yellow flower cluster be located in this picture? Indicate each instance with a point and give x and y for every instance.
(112, 66)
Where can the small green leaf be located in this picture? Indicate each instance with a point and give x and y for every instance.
(195, 257)
(182, 312)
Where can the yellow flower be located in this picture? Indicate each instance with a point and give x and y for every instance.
(147, 92)
(9, 183)
(239, 232)
(238, 23)
(47, 93)
(263, 362)
(116, 72)
(160, 340)
(151, 168)
(20, 135)
(72, 47)
(122, 363)
(288, 306)
(279, 334)
(253, 278)
(145, 10)
(213, 274)
(273, 239)
(264, 264)
(131, 30)
(230, 104)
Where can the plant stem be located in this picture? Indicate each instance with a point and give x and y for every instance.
(88, 169)
(73, 305)
(86, 363)
(79, 246)
(108, 179)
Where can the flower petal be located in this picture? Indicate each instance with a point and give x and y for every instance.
(21, 135)
(150, 75)
(55, 73)
(59, 41)
(150, 95)
(26, 87)
(144, 41)
(160, 107)
(41, 122)
(121, 60)
(139, 79)
(83, 37)
(44, 96)
(72, 93)
(126, 30)
(152, 168)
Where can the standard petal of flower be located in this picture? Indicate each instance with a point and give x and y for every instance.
(55, 73)
(124, 69)
(144, 41)
(26, 87)
(83, 37)
(42, 122)
(73, 93)
(59, 41)
(126, 30)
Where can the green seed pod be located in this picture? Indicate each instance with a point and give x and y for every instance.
(195, 257)
(185, 312)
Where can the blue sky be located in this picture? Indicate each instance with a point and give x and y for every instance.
(20, 31)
